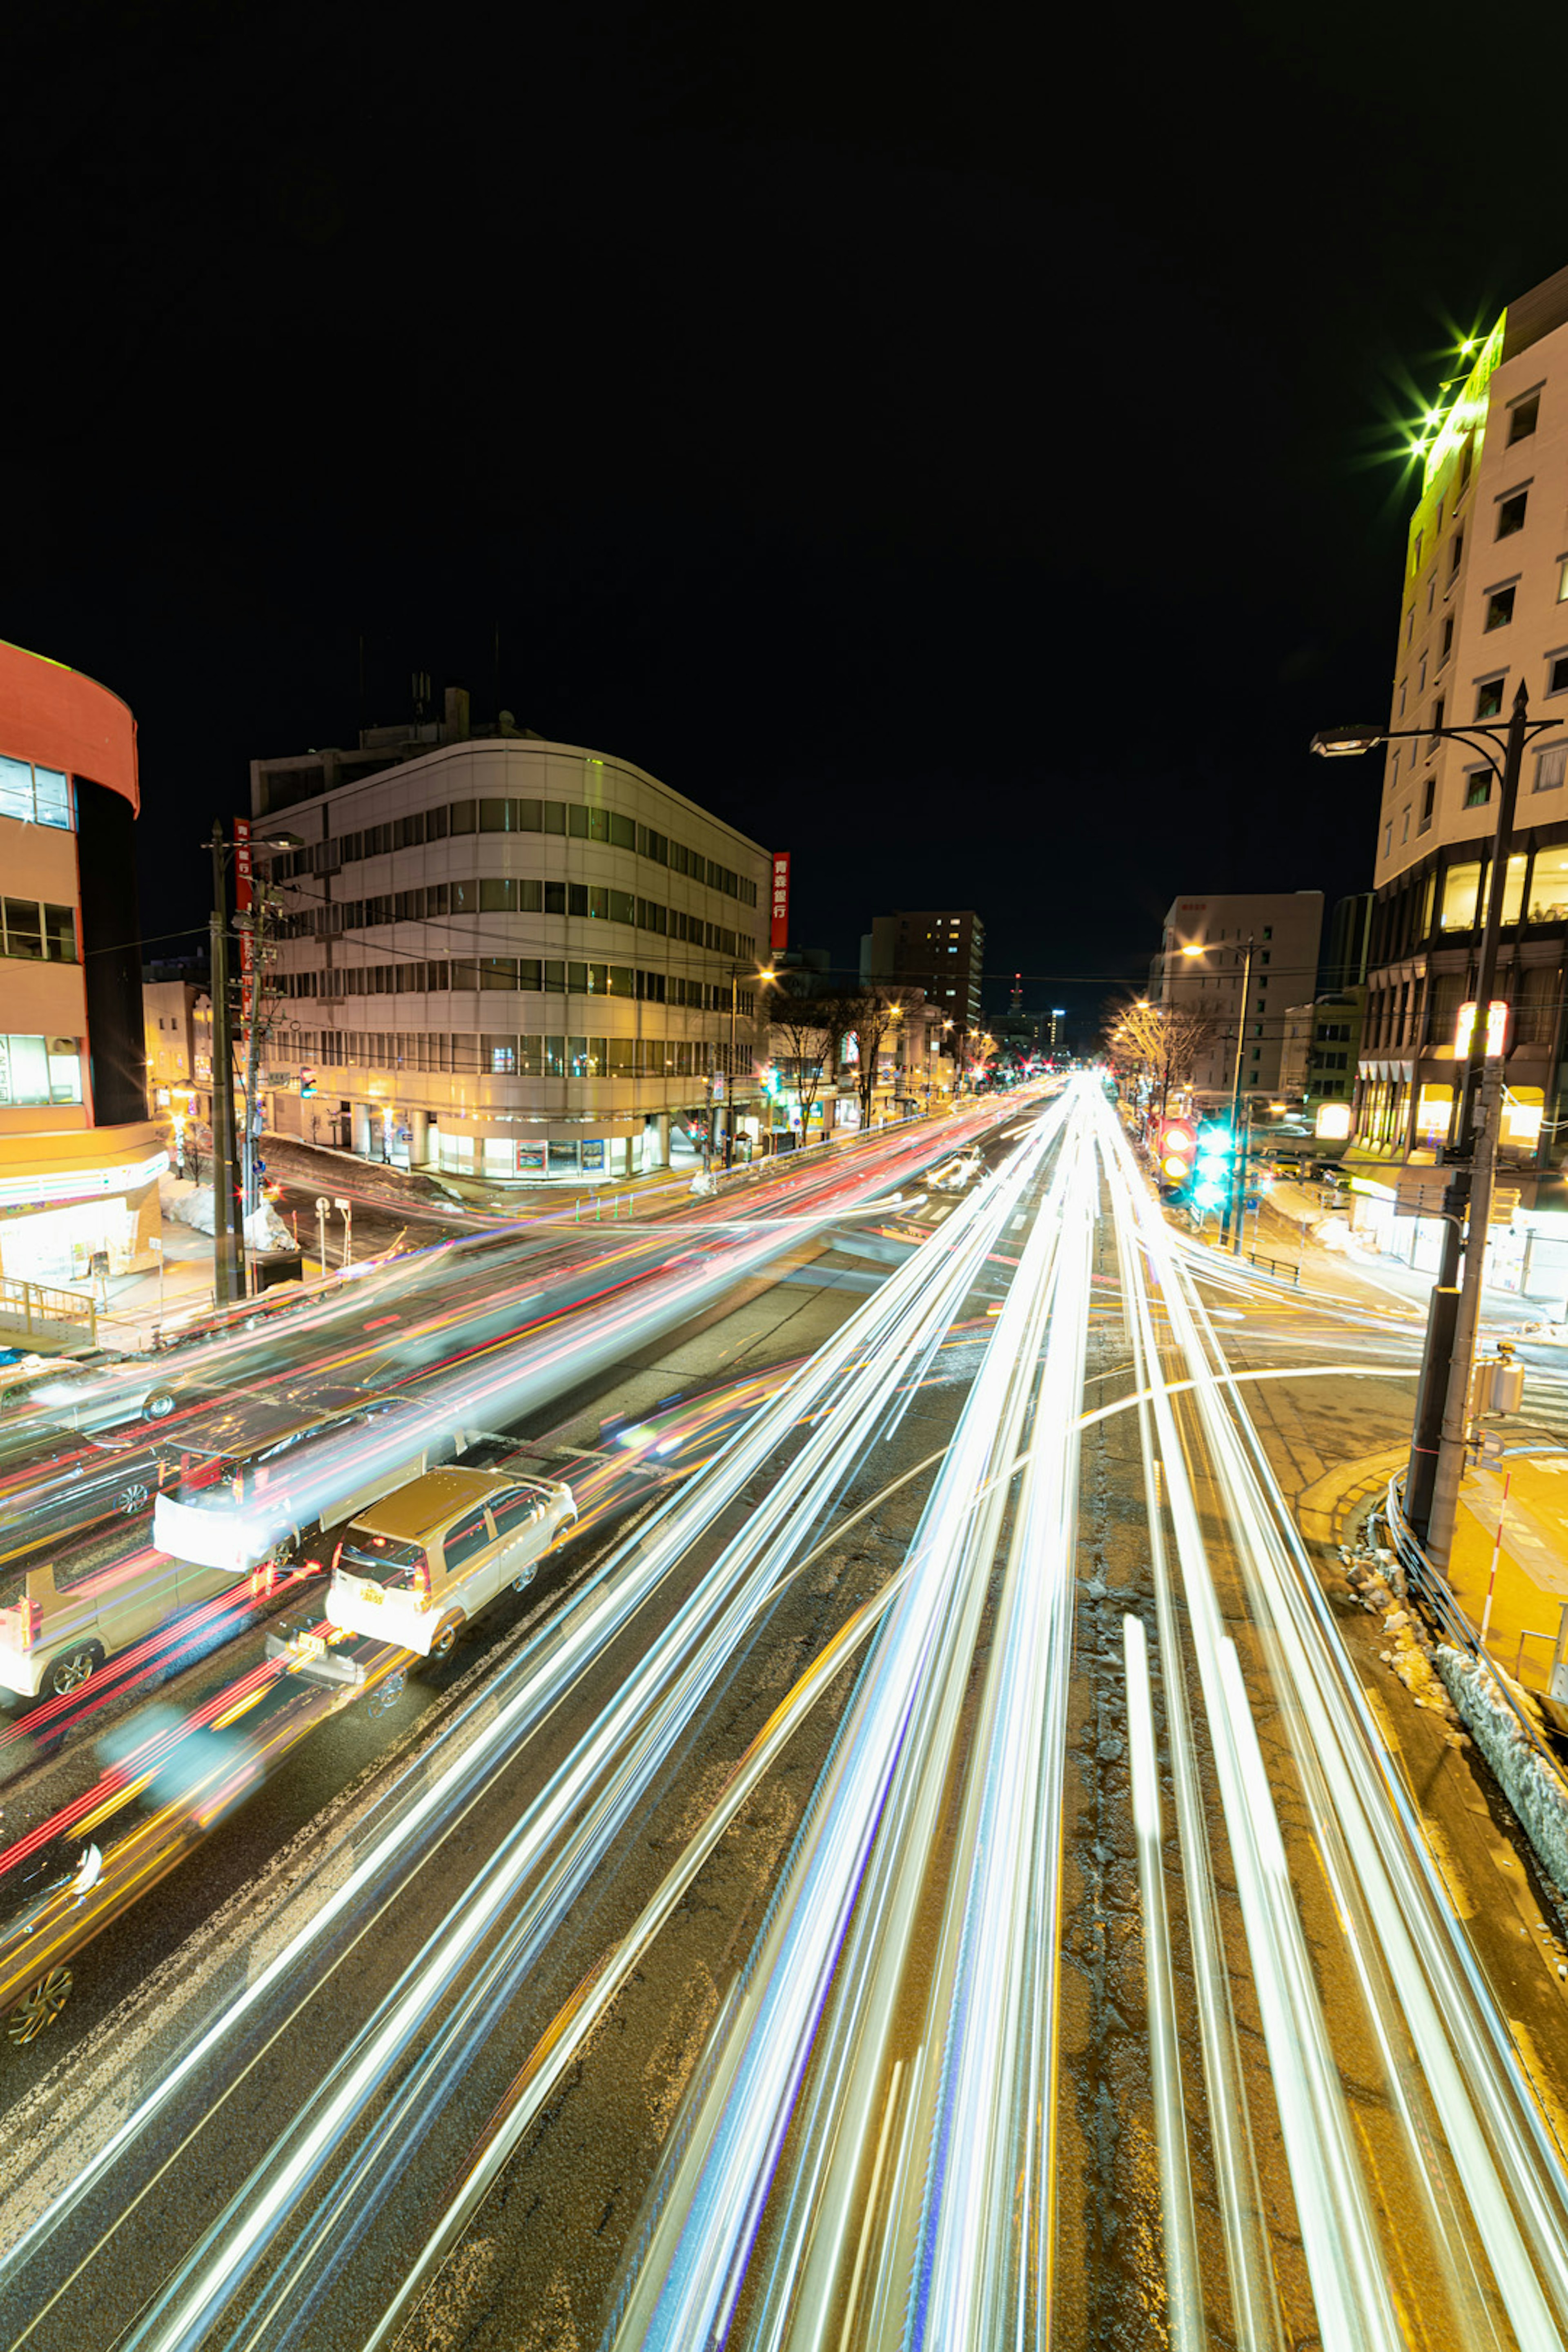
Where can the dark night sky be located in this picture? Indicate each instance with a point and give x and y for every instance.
(947, 445)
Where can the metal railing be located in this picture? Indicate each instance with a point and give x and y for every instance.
(1435, 1597)
(41, 1306)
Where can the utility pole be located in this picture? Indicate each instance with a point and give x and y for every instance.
(228, 1262)
(1236, 1208)
(1483, 1100)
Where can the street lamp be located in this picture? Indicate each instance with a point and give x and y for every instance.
(1442, 1399)
(228, 1212)
(1235, 1214)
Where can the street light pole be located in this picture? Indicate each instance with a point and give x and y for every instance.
(1236, 1208)
(1442, 1397)
(1483, 1090)
(228, 1264)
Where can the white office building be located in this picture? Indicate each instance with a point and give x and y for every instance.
(507, 957)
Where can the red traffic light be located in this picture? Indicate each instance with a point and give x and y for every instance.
(1178, 1147)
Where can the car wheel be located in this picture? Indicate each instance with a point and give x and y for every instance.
(135, 1497)
(39, 2007)
(161, 1406)
(445, 1639)
(74, 1667)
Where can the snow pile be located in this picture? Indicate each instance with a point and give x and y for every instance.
(1533, 1788)
(192, 1205)
(1410, 1663)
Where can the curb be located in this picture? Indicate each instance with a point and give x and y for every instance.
(1323, 1509)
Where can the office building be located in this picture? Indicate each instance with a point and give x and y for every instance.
(507, 957)
(942, 951)
(1201, 968)
(79, 1160)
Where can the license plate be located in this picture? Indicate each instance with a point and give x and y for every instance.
(372, 1592)
(311, 1646)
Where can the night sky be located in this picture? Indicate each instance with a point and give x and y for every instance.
(954, 443)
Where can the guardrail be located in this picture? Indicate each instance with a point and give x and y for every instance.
(1292, 1266)
(1433, 1595)
(40, 1308)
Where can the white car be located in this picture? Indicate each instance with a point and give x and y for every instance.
(417, 1566)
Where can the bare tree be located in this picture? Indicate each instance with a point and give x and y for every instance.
(1159, 1042)
(807, 1026)
(868, 1014)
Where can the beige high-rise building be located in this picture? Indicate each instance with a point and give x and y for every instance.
(1483, 604)
(1285, 929)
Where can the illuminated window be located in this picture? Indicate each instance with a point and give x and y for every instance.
(1550, 766)
(35, 795)
(1461, 888)
(1522, 418)
(1510, 514)
(1499, 609)
(1563, 580)
(1549, 885)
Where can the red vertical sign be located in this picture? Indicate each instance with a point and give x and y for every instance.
(778, 936)
(242, 900)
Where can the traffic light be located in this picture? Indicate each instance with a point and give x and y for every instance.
(1216, 1154)
(1178, 1149)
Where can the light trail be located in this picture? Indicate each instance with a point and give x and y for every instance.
(1501, 2187)
(564, 1831)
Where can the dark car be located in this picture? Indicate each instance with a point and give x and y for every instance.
(56, 1482)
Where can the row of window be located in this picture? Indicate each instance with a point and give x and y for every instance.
(530, 975)
(498, 894)
(31, 1074)
(37, 932)
(1550, 772)
(37, 796)
(1535, 890)
(568, 818)
(507, 1054)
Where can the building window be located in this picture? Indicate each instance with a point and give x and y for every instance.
(36, 795)
(1406, 834)
(1461, 888)
(1437, 709)
(1499, 609)
(1489, 698)
(1447, 645)
(31, 1075)
(1428, 796)
(1522, 418)
(1549, 885)
(1563, 580)
(1421, 676)
(1478, 788)
(1402, 682)
(1510, 514)
(1456, 554)
(37, 933)
(1550, 766)
(1387, 844)
(1557, 674)
(1467, 460)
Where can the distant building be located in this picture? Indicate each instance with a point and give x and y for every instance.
(942, 951)
(178, 1020)
(506, 957)
(1318, 1061)
(80, 1159)
(1285, 928)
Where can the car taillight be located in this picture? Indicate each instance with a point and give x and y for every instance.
(422, 1581)
(337, 1555)
(21, 1623)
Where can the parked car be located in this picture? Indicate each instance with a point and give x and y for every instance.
(427, 1559)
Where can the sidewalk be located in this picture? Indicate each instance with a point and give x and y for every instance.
(1531, 1590)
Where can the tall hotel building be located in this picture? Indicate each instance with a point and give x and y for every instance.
(1485, 605)
(507, 957)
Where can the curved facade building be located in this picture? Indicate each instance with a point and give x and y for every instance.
(79, 1159)
(508, 957)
